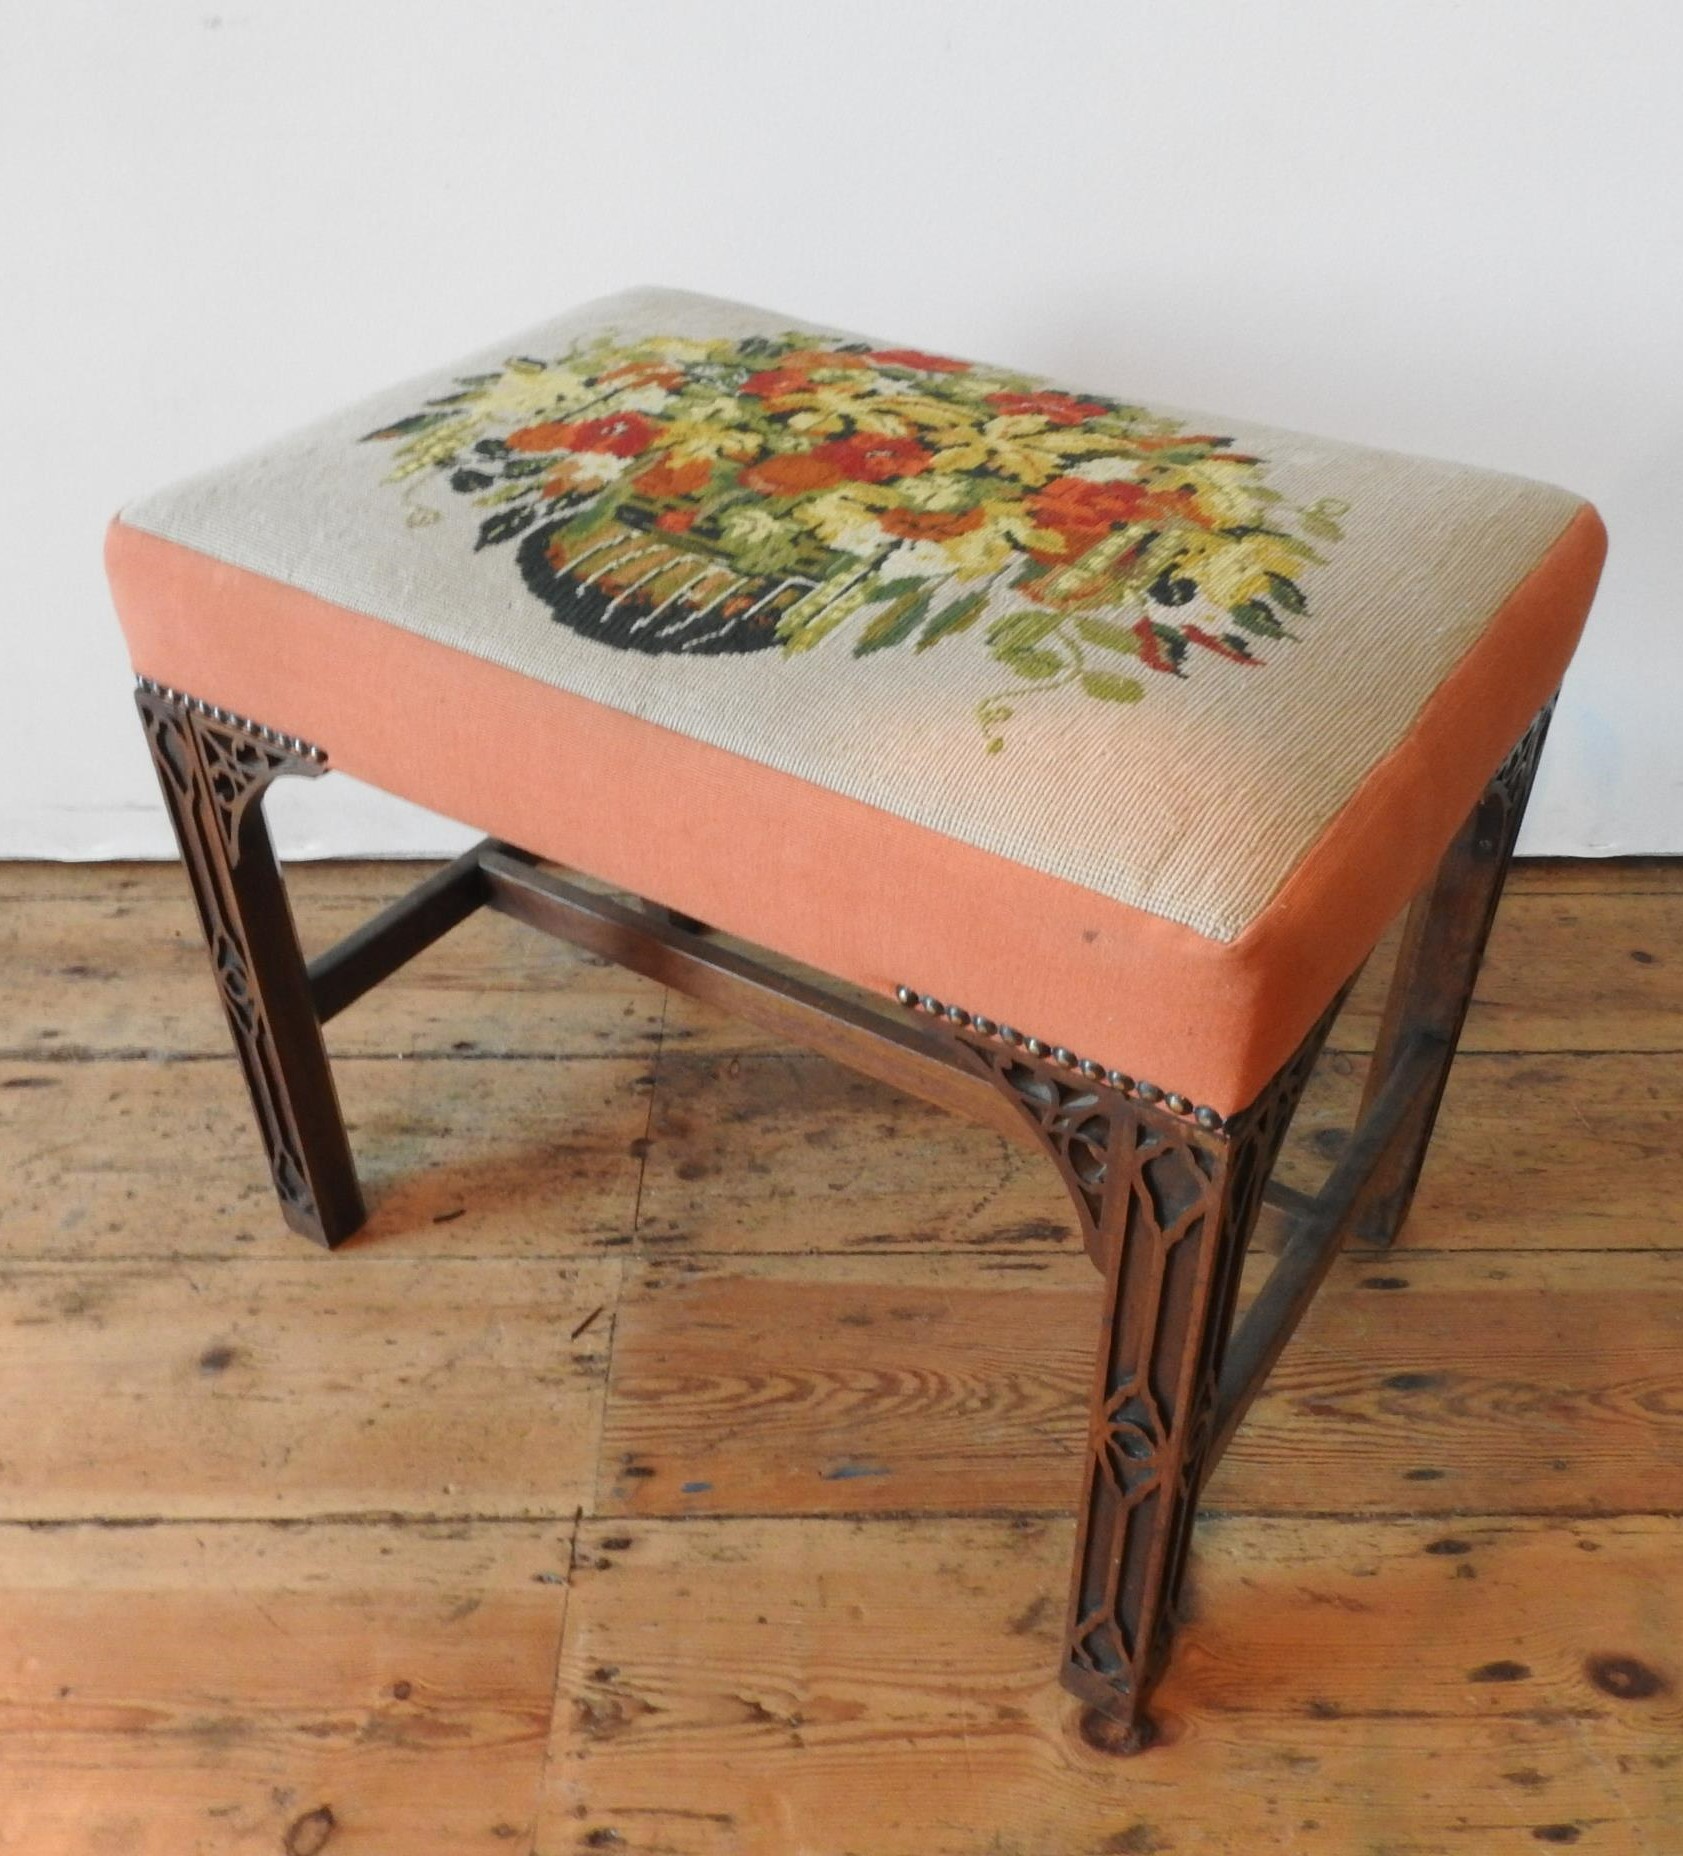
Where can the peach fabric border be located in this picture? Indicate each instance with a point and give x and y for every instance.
(830, 880)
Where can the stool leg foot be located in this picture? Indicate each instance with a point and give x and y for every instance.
(1443, 944)
(213, 769)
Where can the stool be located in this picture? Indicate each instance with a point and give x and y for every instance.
(1082, 751)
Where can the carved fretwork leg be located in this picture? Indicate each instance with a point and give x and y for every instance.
(1443, 944)
(213, 768)
(1174, 1204)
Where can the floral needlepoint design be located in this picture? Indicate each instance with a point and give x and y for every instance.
(720, 496)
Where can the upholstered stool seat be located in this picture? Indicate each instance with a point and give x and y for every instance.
(1097, 744)
(1126, 728)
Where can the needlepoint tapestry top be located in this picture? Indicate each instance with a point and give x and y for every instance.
(782, 492)
(1146, 651)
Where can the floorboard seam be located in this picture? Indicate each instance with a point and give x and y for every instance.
(608, 1251)
(1412, 1517)
(541, 1784)
(619, 1289)
(648, 1118)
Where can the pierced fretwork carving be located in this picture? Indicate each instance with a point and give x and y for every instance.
(1074, 1119)
(238, 768)
(1167, 1206)
(238, 757)
(213, 768)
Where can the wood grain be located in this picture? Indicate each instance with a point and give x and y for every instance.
(786, 1153)
(1425, 1384)
(812, 1358)
(303, 1386)
(1599, 1167)
(881, 1688)
(790, 1152)
(766, 1155)
(1602, 876)
(125, 975)
(374, 880)
(273, 1690)
(457, 1158)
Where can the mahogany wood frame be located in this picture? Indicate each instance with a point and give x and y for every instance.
(1166, 1198)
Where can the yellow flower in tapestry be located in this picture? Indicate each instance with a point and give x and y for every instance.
(787, 492)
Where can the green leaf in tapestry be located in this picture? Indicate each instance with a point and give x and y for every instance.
(1257, 617)
(407, 428)
(1108, 635)
(812, 618)
(895, 622)
(756, 543)
(1320, 518)
(1109, 687)
(1021, 628)
(1031, 661)
(593, 517)
(958, 617)
(1287, 593)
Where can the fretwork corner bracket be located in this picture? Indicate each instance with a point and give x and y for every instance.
(236, 757)
(214, 767)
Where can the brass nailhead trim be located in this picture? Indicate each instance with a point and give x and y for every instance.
(1119, 1080)
(290, 744)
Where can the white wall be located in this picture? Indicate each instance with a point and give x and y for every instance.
(1456, 228)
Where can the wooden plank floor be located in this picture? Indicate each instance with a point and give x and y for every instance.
(681, 1463)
